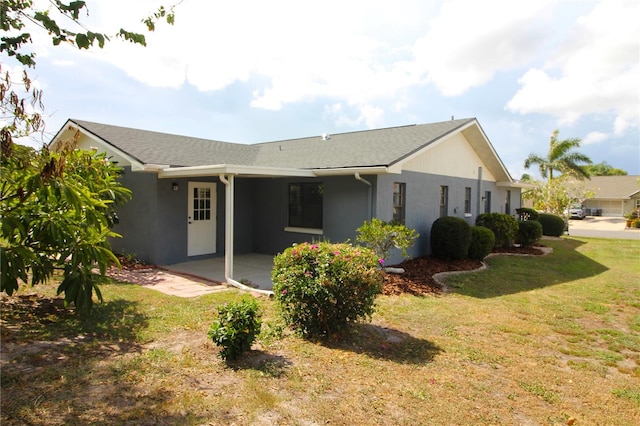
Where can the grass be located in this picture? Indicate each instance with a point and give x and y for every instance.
(528, 341)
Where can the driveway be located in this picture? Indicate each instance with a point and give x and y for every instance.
(602, 227)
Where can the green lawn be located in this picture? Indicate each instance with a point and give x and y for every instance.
(531, 340)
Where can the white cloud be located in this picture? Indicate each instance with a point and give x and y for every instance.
(595, 138)
(470, 41)
(596, 71)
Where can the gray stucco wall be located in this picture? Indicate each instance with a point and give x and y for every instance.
(344, 210)
(138, 225)
(423, 203)
(245, 210)
(154, 223)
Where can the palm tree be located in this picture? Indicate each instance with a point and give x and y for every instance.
(560, 158)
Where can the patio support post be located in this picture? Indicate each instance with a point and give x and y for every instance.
(229, 196)
(228, 225)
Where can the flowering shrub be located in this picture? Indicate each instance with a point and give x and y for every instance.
(322, 288)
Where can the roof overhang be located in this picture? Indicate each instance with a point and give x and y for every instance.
(246, 171)
(515, 184)
(252, 171)
(349, 171)
(71, 128)
(483, 147)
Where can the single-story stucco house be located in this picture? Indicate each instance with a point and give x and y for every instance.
(195, 198)
(614, 195)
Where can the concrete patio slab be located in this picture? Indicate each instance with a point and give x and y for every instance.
(166, 282)
(252, 269)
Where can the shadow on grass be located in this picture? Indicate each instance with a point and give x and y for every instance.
(268, 364)
(387, 344)
(53, 365)
(31, 317)
(513, 274)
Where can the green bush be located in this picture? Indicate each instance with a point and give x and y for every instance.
(525, 213)
(552, 225)
(482, 242)
(382, 236)
(450, 238)
(635, 223)
(236, 328)
(321, 289)
(529, 231)
(504, 227)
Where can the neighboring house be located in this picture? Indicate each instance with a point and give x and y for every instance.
(196, 198)
(615, 195)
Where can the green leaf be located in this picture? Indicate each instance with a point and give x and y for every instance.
(132, 37)
(82, 41)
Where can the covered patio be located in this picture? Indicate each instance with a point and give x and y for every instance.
(253, 270)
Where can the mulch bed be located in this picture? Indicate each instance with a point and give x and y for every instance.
(418, 276)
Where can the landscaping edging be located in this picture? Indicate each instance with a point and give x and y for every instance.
(441, 275)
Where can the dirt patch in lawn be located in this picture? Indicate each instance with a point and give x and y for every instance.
(419, 274)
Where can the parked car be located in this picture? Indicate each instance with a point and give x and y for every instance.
(576, 211)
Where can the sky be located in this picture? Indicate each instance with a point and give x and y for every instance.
(253, 71)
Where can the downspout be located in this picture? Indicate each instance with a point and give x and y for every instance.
(369, 190)
(228, 236)
(479, 190)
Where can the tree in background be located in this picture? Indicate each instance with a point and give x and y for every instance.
(560, 158)
(604, 169)
(57, 207)
(555, 194)
(558, 194)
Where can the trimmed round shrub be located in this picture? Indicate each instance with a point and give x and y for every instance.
(321, 289)
(450, 238)
(237, 326)
(504, 227)
(529, 231)
(525, 213)
(552, 225)
(482, 242)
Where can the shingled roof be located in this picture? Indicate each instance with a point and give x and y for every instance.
(369, 148)
(150, 147)
(615, 187)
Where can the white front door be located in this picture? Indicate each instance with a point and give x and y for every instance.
(201, 213)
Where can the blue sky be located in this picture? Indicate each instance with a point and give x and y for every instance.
(254, 71)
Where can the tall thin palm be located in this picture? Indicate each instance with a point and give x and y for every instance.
(560, 158)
